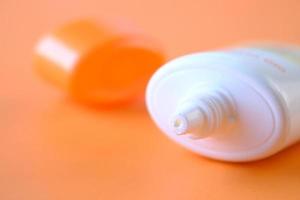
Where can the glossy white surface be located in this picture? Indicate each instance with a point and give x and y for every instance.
(262, 86)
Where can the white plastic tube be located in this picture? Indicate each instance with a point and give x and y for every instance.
(238, 105)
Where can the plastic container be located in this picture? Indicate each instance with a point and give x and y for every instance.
(238, 104)
(98, 62)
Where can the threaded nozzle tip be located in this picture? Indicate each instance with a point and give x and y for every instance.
(179, 124)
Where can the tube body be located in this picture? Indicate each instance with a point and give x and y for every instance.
(238, 104)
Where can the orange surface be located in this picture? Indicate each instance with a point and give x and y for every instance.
(54, 148)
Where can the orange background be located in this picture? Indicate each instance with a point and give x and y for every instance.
(54, 148)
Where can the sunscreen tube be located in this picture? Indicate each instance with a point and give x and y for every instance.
(238, 104)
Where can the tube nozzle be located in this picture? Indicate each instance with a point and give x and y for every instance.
(202, 115)
(188, 121)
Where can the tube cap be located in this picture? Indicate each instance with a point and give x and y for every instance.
(98, 62)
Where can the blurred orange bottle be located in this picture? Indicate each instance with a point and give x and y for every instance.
(98, 62)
